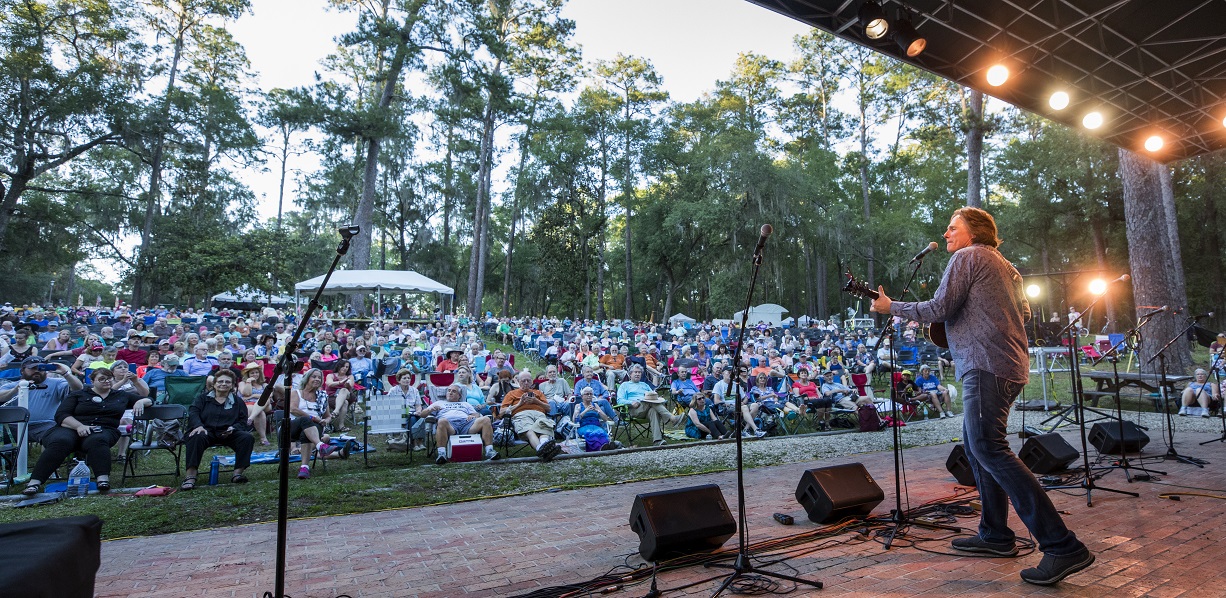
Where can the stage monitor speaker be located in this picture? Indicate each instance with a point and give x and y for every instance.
(1047, 453)
(829, 494)
(960, 466)
(51, 558)
(683, 521)
(1106, 438)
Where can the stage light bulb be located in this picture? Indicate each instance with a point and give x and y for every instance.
(872, 17)
(1032, 291)
(1098, 286)
(1058, 101)
(997, 75)
(1153, 143)
(1092, 120)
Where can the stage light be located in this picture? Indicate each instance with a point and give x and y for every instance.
(1098, 286)
(1032, 291)
(1058, 100)
(1153, 143)
(1092, 120)
(872, 17)
(909, 40)
(997, 75)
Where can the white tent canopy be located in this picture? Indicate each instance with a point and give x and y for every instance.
(767, 312)
(375, 281)
(351, 282)
(245, 294)
(680, 317)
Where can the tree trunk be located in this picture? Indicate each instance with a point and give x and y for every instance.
(284, 168)
(668, 295)
(153, 201)
(974, 150)
(627, 196)
(1210, 259)
(868, 216)
(1150, 259)
(448, 187)
(1100, 257)
(485, 157)
(519, 180)
(1172, 235)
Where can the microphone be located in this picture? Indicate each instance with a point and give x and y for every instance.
(1207, 314)
(1153, 312)
(929, 249)
(763, 234)
(349, 231)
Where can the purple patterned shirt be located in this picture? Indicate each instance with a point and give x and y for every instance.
(984, 309)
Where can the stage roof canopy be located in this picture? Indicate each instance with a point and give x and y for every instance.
(1149, 67)
(375, 281)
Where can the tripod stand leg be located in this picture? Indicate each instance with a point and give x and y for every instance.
(742, 566)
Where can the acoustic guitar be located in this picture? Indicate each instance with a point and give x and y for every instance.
(935, 331)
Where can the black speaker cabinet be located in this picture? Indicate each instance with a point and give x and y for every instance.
(683, 521)
(1047, 453)
(51, 558)
(960, 466)
(832, 493)
(1106, 438)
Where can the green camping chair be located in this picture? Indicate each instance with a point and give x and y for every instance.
(182, 390)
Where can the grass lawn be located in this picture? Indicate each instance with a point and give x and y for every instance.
(343, 487)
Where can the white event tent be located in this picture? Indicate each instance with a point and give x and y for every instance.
(374, 281)
(767, 312)
(248, 295)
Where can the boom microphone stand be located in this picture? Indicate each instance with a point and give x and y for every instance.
(1216, 367)
(742, 565)
(1171, 453)
(1113, 355)
(898, 518)
(1087, 478)
(285, 366)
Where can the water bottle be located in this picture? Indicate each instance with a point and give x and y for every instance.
(214, 468)
(78, 480)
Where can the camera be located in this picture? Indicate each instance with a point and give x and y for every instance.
(48, 367)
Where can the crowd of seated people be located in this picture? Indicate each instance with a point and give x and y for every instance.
(630, 364)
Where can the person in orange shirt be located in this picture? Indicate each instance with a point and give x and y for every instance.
(529, 413)
(452, 362)
(655, 374)
(614, 365)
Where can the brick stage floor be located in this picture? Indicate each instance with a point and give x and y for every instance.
(1147, 546)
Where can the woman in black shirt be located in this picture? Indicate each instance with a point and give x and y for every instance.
(89, 422)
(218, 417)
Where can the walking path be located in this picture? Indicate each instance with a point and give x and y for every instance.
(1147, 546)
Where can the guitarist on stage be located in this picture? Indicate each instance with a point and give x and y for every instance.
(981, 302)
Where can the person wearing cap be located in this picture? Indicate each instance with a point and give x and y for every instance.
(132, 353)
(838, 393)
(906, 387)
(309, 342)
(451, 361)
(363, 365)
(51, 333)
(90, 354)
(250, 388)
(933, 391)
(45, 394)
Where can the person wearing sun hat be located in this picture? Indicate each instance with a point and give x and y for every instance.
(451, 361)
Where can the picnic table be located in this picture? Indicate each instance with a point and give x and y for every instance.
(1149, 383)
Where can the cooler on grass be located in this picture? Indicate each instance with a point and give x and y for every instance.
(464, 447)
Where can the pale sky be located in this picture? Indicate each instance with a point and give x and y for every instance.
(691, 43)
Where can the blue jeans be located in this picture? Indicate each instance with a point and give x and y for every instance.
(1000, 475)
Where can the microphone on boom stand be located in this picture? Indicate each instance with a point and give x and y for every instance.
(929, 249)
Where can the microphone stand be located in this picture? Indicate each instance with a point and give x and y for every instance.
(1078, 407)
(898, 519)
(1113, 355)
(285, 367)
(742, 565)
(1171, 453)
(1215, 367)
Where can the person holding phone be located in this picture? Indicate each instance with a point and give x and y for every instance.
(46, 393)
